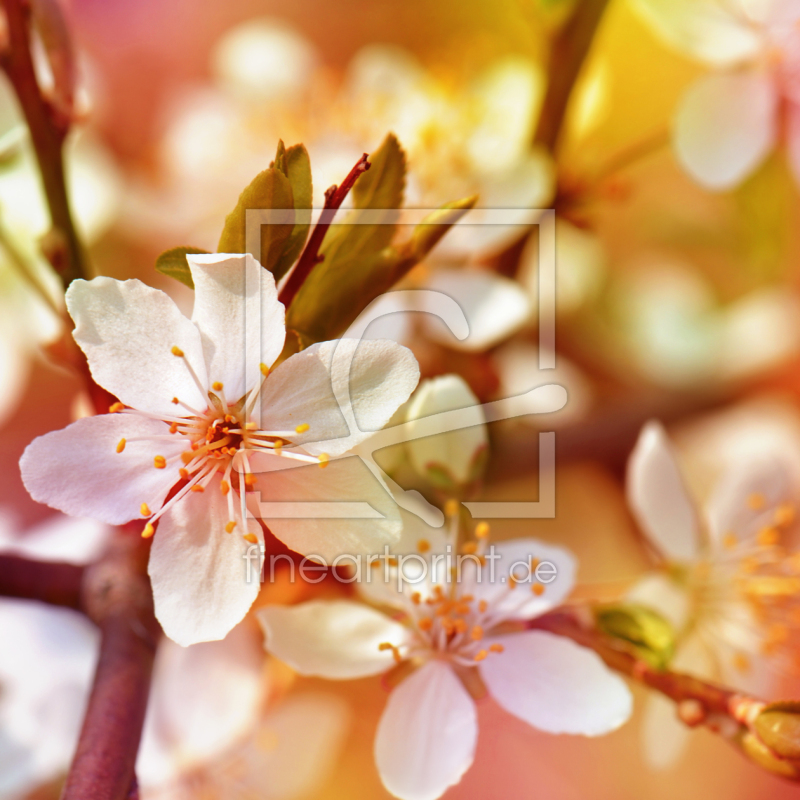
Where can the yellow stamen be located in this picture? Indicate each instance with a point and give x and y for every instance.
(250, 479)
(176, 351)
(197, 488)
(144, 509)
(538, 589)
(148, 531)
(481, 654)
(251, 426)
(120, 445)
(482, 606)
(114, 408)
(264, 369)
(323, 459)
(225, 487)
(482, 530)
(302, 428)
(767, 537)
(451, 507)
(496, 648)
(175, 401)
(229, 527)
(784, 514)
(425, 624)
(159, 462)
(217, 386)
(251, 537)
(416, 598)
(476, 634)
(184, 473)
(423, 545)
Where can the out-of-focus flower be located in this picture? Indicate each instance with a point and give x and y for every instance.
(729, 586)
(730, 120)
(670, 325)
(447, 639)
(47, 661)
(201, 417)
(455, 457)
(29, 303)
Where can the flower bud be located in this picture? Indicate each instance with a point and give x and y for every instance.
(451, 458)
(645, 631)
(762, 755)
(778, 727)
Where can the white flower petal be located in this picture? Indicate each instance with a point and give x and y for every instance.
(303, 390)
(200, 573)
(556, 567)
(427, 734)
(556, 685)
(495, 307)
(658, 497)
(345, 480)
(725, 126)
(457, 450)
(204, 698)
(79, 471)
(664, 736)
(664, 596)
(704, 29)
(337, 640)
(241, 322)
(128, 330)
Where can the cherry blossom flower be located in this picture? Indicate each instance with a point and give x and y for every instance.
(200, 417)
(730, 120)
(444, 641)
(728, 586)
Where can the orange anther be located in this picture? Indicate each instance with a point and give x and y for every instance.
(159, 462)
(120, 445)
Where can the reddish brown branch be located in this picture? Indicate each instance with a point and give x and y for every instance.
(310, 257)
(568, 52)
(117, 595)
(48, 126)
(59, 584)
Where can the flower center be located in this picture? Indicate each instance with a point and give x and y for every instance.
(217, 442)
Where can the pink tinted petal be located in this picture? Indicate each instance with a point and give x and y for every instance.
(201, 584)
(658, 497)
(725, 127)
(79, 471)
(128, 330)
(345, 480)
(427, 735)
(555, 685)
(311, 387)
(337, 639)
(237, 311)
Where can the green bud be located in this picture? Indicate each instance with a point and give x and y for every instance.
(173, 263)
(762, 755)
(647, 633)
(778, 727)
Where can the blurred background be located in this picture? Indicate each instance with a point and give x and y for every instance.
(673, 301)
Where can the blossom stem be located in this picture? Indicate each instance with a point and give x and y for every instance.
(118, 597)
(48, 125)
(567, 55)
(55, 583)
(310, 257)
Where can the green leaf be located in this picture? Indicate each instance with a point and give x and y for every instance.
(650, 636)
(298, 170)
(280, 158)
(173, 263)
(270, 189)
(334, 295)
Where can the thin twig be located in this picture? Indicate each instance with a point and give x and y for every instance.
(567, 54)
(310, 257)
(48, 125)
(55, 583)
